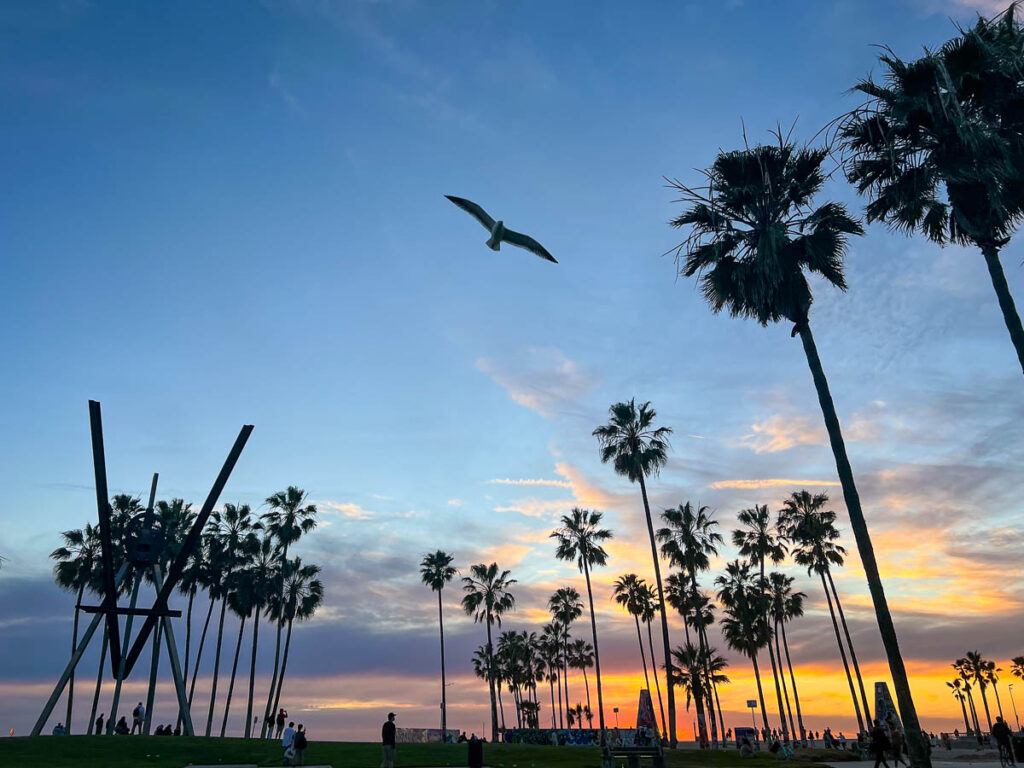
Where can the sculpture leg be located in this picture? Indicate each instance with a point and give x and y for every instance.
(154, 669)
(124, 652)
(172, 653)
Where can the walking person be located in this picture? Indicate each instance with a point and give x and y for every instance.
(138, 717)
(879, 744)
(99, 724)
(897, 747)
(387, 740)
(300, 743)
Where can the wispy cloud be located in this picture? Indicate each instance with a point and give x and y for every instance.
(543, 379)
(779, 433)
(348, 510)
(768, 482)
(530, 481)
(455, 502)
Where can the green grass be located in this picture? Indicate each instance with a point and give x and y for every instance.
(176, 752)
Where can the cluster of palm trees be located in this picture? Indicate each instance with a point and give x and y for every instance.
(939, 149)
(983, 673)
(243, 567)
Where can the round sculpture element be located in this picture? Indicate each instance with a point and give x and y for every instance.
(143, 541)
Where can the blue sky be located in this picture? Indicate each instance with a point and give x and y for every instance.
(234, 213)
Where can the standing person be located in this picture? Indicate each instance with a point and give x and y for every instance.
(289, 736)
(282, 715)
(387, 740)
(300, 743)
(138, 717)
(879, 744)
(99, 724)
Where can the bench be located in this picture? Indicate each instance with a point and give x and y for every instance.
(634, 756)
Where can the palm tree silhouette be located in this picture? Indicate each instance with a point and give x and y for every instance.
(938, 150)
(582, 657)
(758, 541)
(549, 646)
(241, 599)
(812, 530)
(744, 627)
(436, 571)
(287, 520)
(754, 232)
(992, 677)
(76, 570)
(263, 580)
(303, 593)
(487, 598)
(963, 668)
(637, 449)
(786, 605)
(628, 592)
(580, 539)
(1017, 667)
(689, 541)
(957, 686)
(977, 668)
(230, 541)
(692, 667)
(649, 603)
(565, 606)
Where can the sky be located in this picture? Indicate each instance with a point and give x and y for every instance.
(233, 213)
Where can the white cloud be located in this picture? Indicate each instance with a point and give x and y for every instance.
(543, 379)
(769, 482)
(455, 502)
(349, 510)
(528, 481)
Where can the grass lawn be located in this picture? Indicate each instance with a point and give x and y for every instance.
(176, 752)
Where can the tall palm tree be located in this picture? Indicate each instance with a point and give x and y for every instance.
(991, 675)
(288, 519)
(813, 532)
(209, 577)
(230, 541)
(580, 539)
(1017, 667)
(264, 580)
(754, 233)
(241, 599)
(638, 449)
(549, 646)
(688, 541)
(786, 605)
(758, 541)
(627, 593)
(303, 594)
(938, 146)
(436, 571)
(957, 689)
(582, 657)
(649, 603)
(744, 627)
(75, 570)
(487, 598)
(963, 668)
(691, 670)
(977, 667)
(565, 606)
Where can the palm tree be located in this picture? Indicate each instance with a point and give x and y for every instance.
(744, 627)
(963, 668)
(691, 670)
(786, 606)
(241, 599)
(75, 570)
(287, 520)
(565, 605)
(303, 594)
(649, 603)
(549, 647)
(638, 449)
(688, 541)
(753, 234)
(582, 657)
(812, 530)
(627, 593)
(487, 598)
(580, 539)
(230, 541)
(1017, 667)
(436, 571)
(264, 579)
(977, 668)
(991, 675)
(758, 541)
(937, 146)
(957, 686)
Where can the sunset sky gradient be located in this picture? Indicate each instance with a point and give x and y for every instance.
(217, 214)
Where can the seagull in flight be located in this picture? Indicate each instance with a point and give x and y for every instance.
(498, 232)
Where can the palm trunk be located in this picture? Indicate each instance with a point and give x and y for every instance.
(792, 679)
(999, 704)
(643, 656)
(664, 620)
(74, 647)
(561, 710)
(963, 706)
(698, 701)
(703, 634)
(252, 670)
(842, 654)
(918, 753)
(501, 706)
(231, 685)
(99, 681)
(565, 672)
(974, 713)
(490, 682)
(216, 666)
(551, 682)
(760, 693)
(718, 705)
(849, 644)
(284, 666)
(778, 691)
(590, 719)
(273, 682)
(444, 687)
(657, 685)
(1010, 316)
(188, 633)
(597, 656)
(984, 700)
(199, 653)
(782, 675)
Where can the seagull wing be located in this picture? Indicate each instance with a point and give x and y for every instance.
(473, 210)
(527, 242)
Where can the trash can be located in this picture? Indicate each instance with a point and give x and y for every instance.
(476, 753)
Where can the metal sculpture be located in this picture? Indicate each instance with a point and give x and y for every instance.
(498, 232)
(144, 542)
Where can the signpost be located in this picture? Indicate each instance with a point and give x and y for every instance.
(752, 705)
